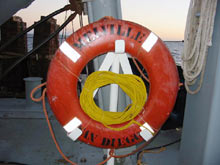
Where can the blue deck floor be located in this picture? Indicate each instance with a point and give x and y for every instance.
(25, 138)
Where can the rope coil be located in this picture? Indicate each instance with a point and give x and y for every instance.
(198, 37)
(132, 85)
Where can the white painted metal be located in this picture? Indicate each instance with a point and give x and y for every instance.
(107, 62)
(114, 87)
(113, 96)
(119, 46)
(125, 65)
(96, 10)
(106, 65)
(113, 61)
(119, 51)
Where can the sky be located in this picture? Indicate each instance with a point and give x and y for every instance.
(166, 18)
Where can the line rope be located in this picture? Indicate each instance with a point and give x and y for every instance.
(197, 39)
(139, 162)
(42, 98)
(132, 85)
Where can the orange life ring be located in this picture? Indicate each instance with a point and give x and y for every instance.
(99, 38)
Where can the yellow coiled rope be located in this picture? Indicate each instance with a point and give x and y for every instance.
(132, 85)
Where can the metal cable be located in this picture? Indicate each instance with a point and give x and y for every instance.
(70, 18)
(67, 7)
(64, 31)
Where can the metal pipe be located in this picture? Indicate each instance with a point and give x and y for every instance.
(90, 15)
(30, 84)
(96, 10)
(113, 98)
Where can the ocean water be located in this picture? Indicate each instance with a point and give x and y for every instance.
(175, 47)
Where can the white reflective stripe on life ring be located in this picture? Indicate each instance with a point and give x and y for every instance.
(69, 52)
(72, 124)
(150, 42)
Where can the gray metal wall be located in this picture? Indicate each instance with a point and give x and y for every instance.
(201, 132)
